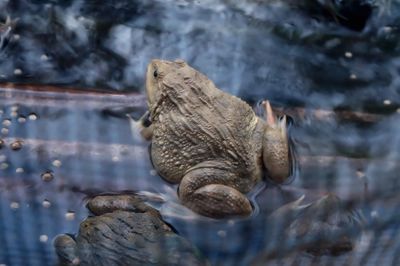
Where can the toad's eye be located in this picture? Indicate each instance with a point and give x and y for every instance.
(155, 73)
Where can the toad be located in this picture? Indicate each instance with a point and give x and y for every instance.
(124, 231)
(209, 142)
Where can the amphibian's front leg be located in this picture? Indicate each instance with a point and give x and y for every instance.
(103, 204)
(66, 250)
(276, 152)
(209, 189)
(142, 127)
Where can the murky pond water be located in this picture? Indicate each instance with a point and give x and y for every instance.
(335, 73)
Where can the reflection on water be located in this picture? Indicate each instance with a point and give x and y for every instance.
(293, 55)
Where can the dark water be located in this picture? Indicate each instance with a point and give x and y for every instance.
(295, 55)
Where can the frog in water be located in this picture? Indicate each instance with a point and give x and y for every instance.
(210, 142)
(124, 230)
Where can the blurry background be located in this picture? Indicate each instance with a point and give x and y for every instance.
(340, 58)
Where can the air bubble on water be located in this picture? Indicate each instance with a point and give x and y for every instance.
(17, 71)
(76, 261)
(21, 119)
(47, 176)
(19, 170)
(44, 57)
(14, 205)
(221, 233)
(387, 102)
(43, 238)
(56, 163)
(374, 214)
(360, 174)
(4, 131)
(6, 122)
(348, 54)
(32, 116)
(46, 203)
(153, 172)
(70, 215)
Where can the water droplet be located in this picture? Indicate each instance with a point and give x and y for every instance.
(14, 114)
(43, 238)
(14, 205)
(19, 170)
(3, 157)
(21, 119)
(56, 163)
(115, 158)
(4, 131)
(6, 122)
(16, 145)
(3, 264)
(32, 116)
(46, 203)
(17, 71)
(47, 176)
(70, 215)
(16, 37)
(76, 261)
(353, 76)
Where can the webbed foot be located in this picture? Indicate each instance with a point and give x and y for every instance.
(276, 152)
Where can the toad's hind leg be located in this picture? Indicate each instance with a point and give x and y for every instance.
(209, 189)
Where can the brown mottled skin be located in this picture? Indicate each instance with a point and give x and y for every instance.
(124, 231)
(209, 141)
